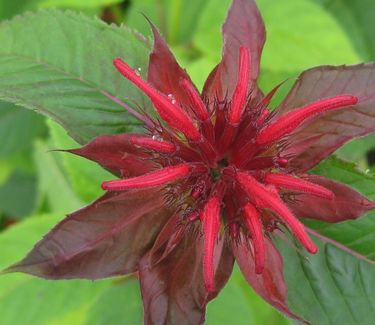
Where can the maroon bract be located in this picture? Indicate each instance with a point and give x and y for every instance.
(215, 180)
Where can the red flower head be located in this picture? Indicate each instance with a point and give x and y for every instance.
(214, 180)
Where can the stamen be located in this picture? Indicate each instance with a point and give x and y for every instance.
(211, 228)
(293, 183)
(169, 112)
(159, 177)
(255, 226)
(240, 92)
(290, 121)
(265, 199)
(149, 143)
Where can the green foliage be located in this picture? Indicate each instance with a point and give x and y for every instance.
(333, 287)
(19, 187)
(238, 304)
(76, 4)
(67, 73)
(341, 276)
(11, 8)
(358, 235)
(85, 176)
(26, 300)
(18, 129)
(357, 19)
(53, 181)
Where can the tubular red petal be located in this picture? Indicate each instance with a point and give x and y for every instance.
(211, 228)
(290, 121)
(266, 199)
(293, 183)
(156, 145)
(159, 177)
(240, 92)
(255, 226)
(168, 111)
(199, 107)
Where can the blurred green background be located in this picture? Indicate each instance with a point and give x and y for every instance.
(38, 187)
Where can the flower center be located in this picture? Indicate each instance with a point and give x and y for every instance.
(216, 172)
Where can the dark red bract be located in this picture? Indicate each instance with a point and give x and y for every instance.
(214, 180)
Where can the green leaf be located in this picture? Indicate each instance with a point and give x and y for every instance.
(238, 304)
(84, 175)
(27, 300)
(357, 149)
(300, 35)
(18, 195)
(332, 287)
(60, 64)
(358, 20)
(5, 171)
(357, 235)
(17, 240)
(53, 181)
(119, 304)
(336, 285)
(10, 8)
(76, 4)
(18, 129)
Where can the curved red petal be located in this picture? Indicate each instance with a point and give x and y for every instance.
(117, 154)
(173, 291)
(314, 141)
(243, 27)
(270, 284)
(100, 240)
(255, 226)
(346, 204)
(211, 228)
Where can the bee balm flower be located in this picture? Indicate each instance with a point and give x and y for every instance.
(214, 180)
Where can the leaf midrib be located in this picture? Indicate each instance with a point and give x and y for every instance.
(339, 246)
(68, 74)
